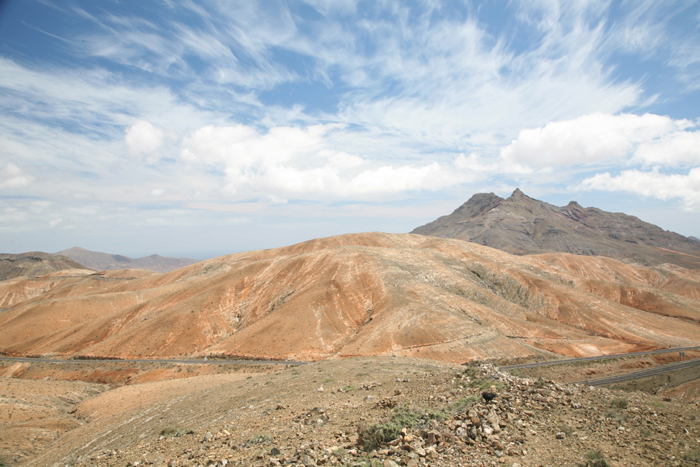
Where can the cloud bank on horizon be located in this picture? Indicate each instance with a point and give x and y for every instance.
(130, 119)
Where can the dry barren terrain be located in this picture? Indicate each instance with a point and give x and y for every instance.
(366, 411)
(357, 295)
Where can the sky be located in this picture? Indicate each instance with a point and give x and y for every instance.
(202, 128)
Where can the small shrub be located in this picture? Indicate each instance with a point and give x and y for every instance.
(484, 384)
(692, 456)
(257, 440)
(372, 437)
(595, 458)
(460, 405)
(171, 432)
(339, 453)
(349, 388)
(619, 403)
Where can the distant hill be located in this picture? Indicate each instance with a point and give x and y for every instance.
(106, 261)
(523, 225)
(35, 263)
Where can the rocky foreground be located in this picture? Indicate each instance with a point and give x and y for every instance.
(388, 412)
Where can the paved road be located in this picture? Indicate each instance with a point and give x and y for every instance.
(184, 362)
(602, 357)
(644, 373)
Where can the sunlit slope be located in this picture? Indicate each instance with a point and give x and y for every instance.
(358, 294)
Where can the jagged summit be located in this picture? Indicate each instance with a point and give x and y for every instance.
(520, 224)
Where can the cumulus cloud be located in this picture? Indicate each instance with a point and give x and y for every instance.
(14, 177)
(651, 183)
(601, 138)
(143, 138)
(289, 160)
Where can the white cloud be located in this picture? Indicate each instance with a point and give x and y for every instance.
(677, 148)
(143, 138)
(14, 177)
(289, 160)
(605, 139)
(652, 184)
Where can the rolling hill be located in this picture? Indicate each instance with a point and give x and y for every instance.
(357, 294)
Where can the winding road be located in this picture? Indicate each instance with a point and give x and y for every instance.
(644, 373)
(146, 360)
(601, 357)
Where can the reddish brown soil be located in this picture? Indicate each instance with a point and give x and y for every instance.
(359, 294)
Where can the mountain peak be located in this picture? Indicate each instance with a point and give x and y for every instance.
(523, 225)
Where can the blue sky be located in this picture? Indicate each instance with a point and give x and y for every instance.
(204, 128)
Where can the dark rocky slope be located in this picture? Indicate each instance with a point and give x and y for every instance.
(34, 264)
(523, 225)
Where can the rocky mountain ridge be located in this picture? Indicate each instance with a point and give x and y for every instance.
(33, 264)
(105, 261)
(523, 225)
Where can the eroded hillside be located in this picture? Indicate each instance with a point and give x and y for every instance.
(357, 294)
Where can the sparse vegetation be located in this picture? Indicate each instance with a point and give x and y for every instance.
(619, 403)
(373, 436)
(692, 456)
(460, 405)
(595, 458)
(171, 432)
(484, 384)
(258, 440)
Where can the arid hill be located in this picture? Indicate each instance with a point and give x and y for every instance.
(34, 264)
(357, 294)
(106, 261)
(523, 225)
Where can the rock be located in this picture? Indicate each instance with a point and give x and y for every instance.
(389, 463)
(207, 437)
(308, 461)
(561, 435)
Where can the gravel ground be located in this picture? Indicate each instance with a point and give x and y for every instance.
(376, 411)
